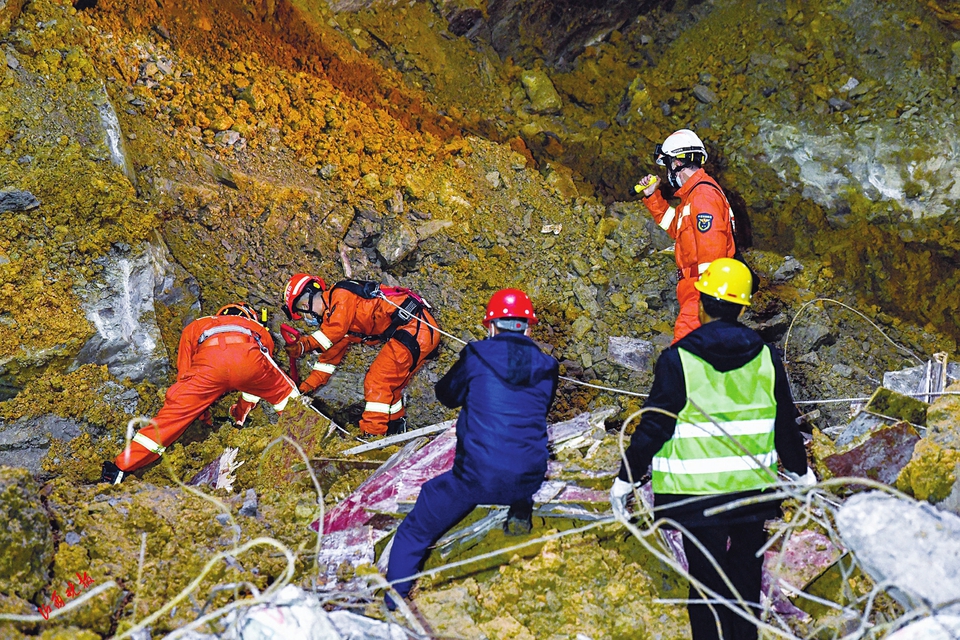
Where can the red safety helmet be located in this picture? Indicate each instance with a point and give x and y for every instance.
(241, 309)
(298, 285)
(510, 303)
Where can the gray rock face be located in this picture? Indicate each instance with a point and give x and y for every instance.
(26, 542)
(813, 330)
(24, 442)
(788, 270)
(342, 397)
(397, 243)
(912, 545)
(122, 307)
(632, 353)
(557, 31)
(16, 200)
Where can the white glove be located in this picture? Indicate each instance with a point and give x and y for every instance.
(806, 480)
(619, 493)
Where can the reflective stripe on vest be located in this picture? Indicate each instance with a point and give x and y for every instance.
(702, 459)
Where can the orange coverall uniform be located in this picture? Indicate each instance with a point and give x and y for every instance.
(350, 318)
(217, 355)
(702, 225)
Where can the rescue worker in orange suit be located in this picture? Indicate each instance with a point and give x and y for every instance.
(217, 354)
(702, 223)
(355, 311)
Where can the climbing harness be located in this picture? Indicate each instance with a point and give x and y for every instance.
(232, 328)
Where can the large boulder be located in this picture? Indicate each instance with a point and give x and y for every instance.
(123, 306)
(26, 541)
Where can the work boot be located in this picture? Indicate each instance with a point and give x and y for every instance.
(111, 473)
(398, 426)
(519, 520)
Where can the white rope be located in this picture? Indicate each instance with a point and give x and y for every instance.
(573, 380)
(798, 402)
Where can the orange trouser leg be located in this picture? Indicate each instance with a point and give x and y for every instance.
(185, 401)
(390, 374)
(689, 318)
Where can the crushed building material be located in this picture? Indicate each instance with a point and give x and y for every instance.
(912, 547)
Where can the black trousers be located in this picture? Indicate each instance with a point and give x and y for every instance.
(743, 569)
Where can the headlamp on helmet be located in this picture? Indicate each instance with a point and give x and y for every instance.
(241, 309)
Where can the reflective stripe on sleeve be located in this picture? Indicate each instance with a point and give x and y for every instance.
(667, 218)
(325, 367)
(324, 341)
(729, 464)
(249, 397)
(149, 444)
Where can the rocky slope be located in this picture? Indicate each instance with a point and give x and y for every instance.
(157, 161)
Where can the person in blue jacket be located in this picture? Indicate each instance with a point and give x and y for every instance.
(505, 386)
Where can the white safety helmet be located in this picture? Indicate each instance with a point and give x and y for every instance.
(683, 145)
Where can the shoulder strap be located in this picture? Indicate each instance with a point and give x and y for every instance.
(733, 219)
(368, 289)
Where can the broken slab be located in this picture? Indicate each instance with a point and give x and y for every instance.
(801, 558)
(910, 545)
(295, 613)
(880, 456)
(884, 409)
(926, 380)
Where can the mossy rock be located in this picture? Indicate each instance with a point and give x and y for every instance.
(26, 541)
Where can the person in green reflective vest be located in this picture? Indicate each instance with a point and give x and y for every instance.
(737, 421)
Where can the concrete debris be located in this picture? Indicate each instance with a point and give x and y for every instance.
(932, 628)
(930, 378)
(910, 546)
(295, 613)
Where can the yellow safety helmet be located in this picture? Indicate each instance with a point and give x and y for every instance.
(728, 280)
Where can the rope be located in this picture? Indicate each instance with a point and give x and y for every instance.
(568, 379)
(785, 362)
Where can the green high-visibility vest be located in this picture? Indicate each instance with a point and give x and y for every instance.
(702, 459)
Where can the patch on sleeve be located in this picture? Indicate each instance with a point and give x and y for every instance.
(704, 222)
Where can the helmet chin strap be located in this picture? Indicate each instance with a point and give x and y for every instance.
(673, 175)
